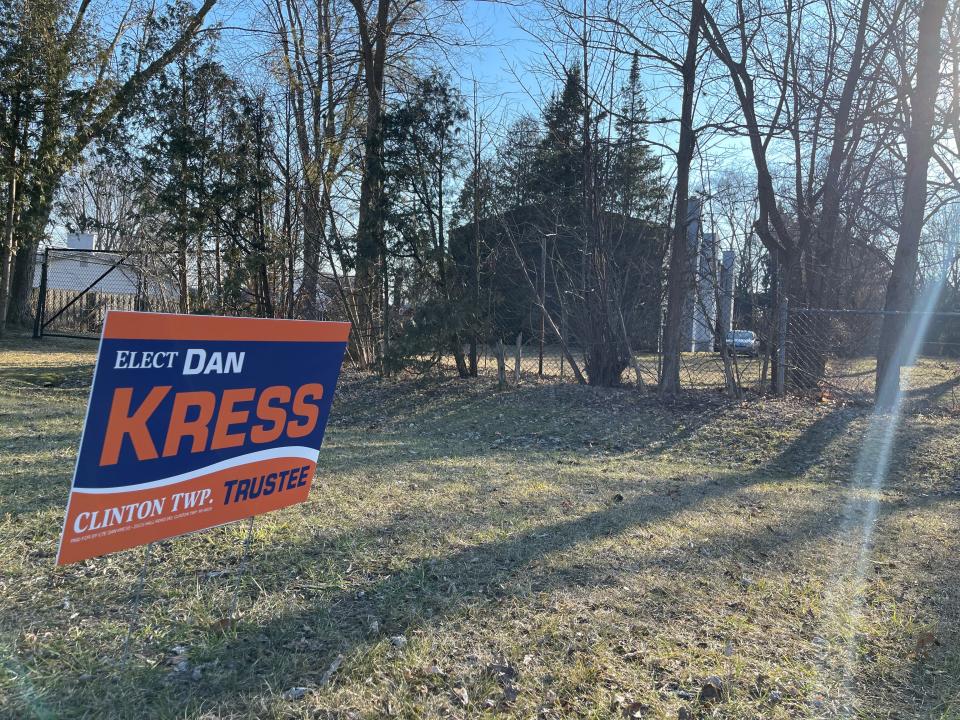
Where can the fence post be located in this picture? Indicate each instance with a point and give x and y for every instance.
(501, 365)
(543, 300)
(138, 297)
(780, 388)
(41, 297)
(516, 362)
(562, 358)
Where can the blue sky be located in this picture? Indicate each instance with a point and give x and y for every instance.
(501, 61)
(499, 53)
(512, 73)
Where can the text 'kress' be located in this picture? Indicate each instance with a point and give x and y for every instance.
(207, 420)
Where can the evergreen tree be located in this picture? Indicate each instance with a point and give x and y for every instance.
(552, 173)
(634, 186)
(480, 193)
(180, 123)
(246, 194)
(515, 167)
(207, 184)
(422, 153)
(558, 164)
(601, 258)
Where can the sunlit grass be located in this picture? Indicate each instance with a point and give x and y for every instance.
(542, 552)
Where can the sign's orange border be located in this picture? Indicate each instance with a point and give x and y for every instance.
(168, 326)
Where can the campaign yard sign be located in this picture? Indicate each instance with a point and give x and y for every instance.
(196, 421)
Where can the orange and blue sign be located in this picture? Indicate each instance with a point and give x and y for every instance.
(196, 421)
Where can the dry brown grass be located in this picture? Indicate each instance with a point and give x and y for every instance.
(549, 551)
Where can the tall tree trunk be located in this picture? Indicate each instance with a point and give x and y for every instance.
(29, 231)
(201, 300)
(9, 219)
(680, 275)
(20, 308)
(474, 345)
(474, 315)
(832, 192)
(369, 233)
(312, 238)
(901, 287)
(373, 47)
(183, 239)
(182, 273)
(218, 271)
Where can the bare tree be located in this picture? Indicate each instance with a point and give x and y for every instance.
(322, 81)
(680, 277)
(901, 287)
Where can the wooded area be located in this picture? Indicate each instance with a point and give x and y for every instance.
(345, 168)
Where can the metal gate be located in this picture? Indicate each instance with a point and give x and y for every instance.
(74, 289)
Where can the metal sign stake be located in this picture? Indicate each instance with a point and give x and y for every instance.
(242, 569)
(137, 598)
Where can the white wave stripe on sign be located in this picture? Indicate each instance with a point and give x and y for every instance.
(293, 451)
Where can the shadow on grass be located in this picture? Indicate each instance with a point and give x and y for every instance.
(433, 588)
(25, 342)
(443, 421)
(923, 398)
(48, 376)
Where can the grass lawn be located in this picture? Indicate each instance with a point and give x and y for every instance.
(550, 551)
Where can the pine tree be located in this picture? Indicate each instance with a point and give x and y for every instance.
(558, 165)
(422, 153)
(246, 194)
(635, 187)
(179, 125)
(515, 163)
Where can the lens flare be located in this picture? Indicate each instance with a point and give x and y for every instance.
(844, 600)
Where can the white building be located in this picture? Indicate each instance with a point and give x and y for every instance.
(77, 268)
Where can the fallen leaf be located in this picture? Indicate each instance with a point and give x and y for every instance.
(334, 666)
(295, 693)
(224, 624)
(712, 690)
(925, 642)
(502, 673)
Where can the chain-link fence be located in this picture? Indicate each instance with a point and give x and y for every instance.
(73, 289)
(826, 355)
(832, 354)
(706, 366)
